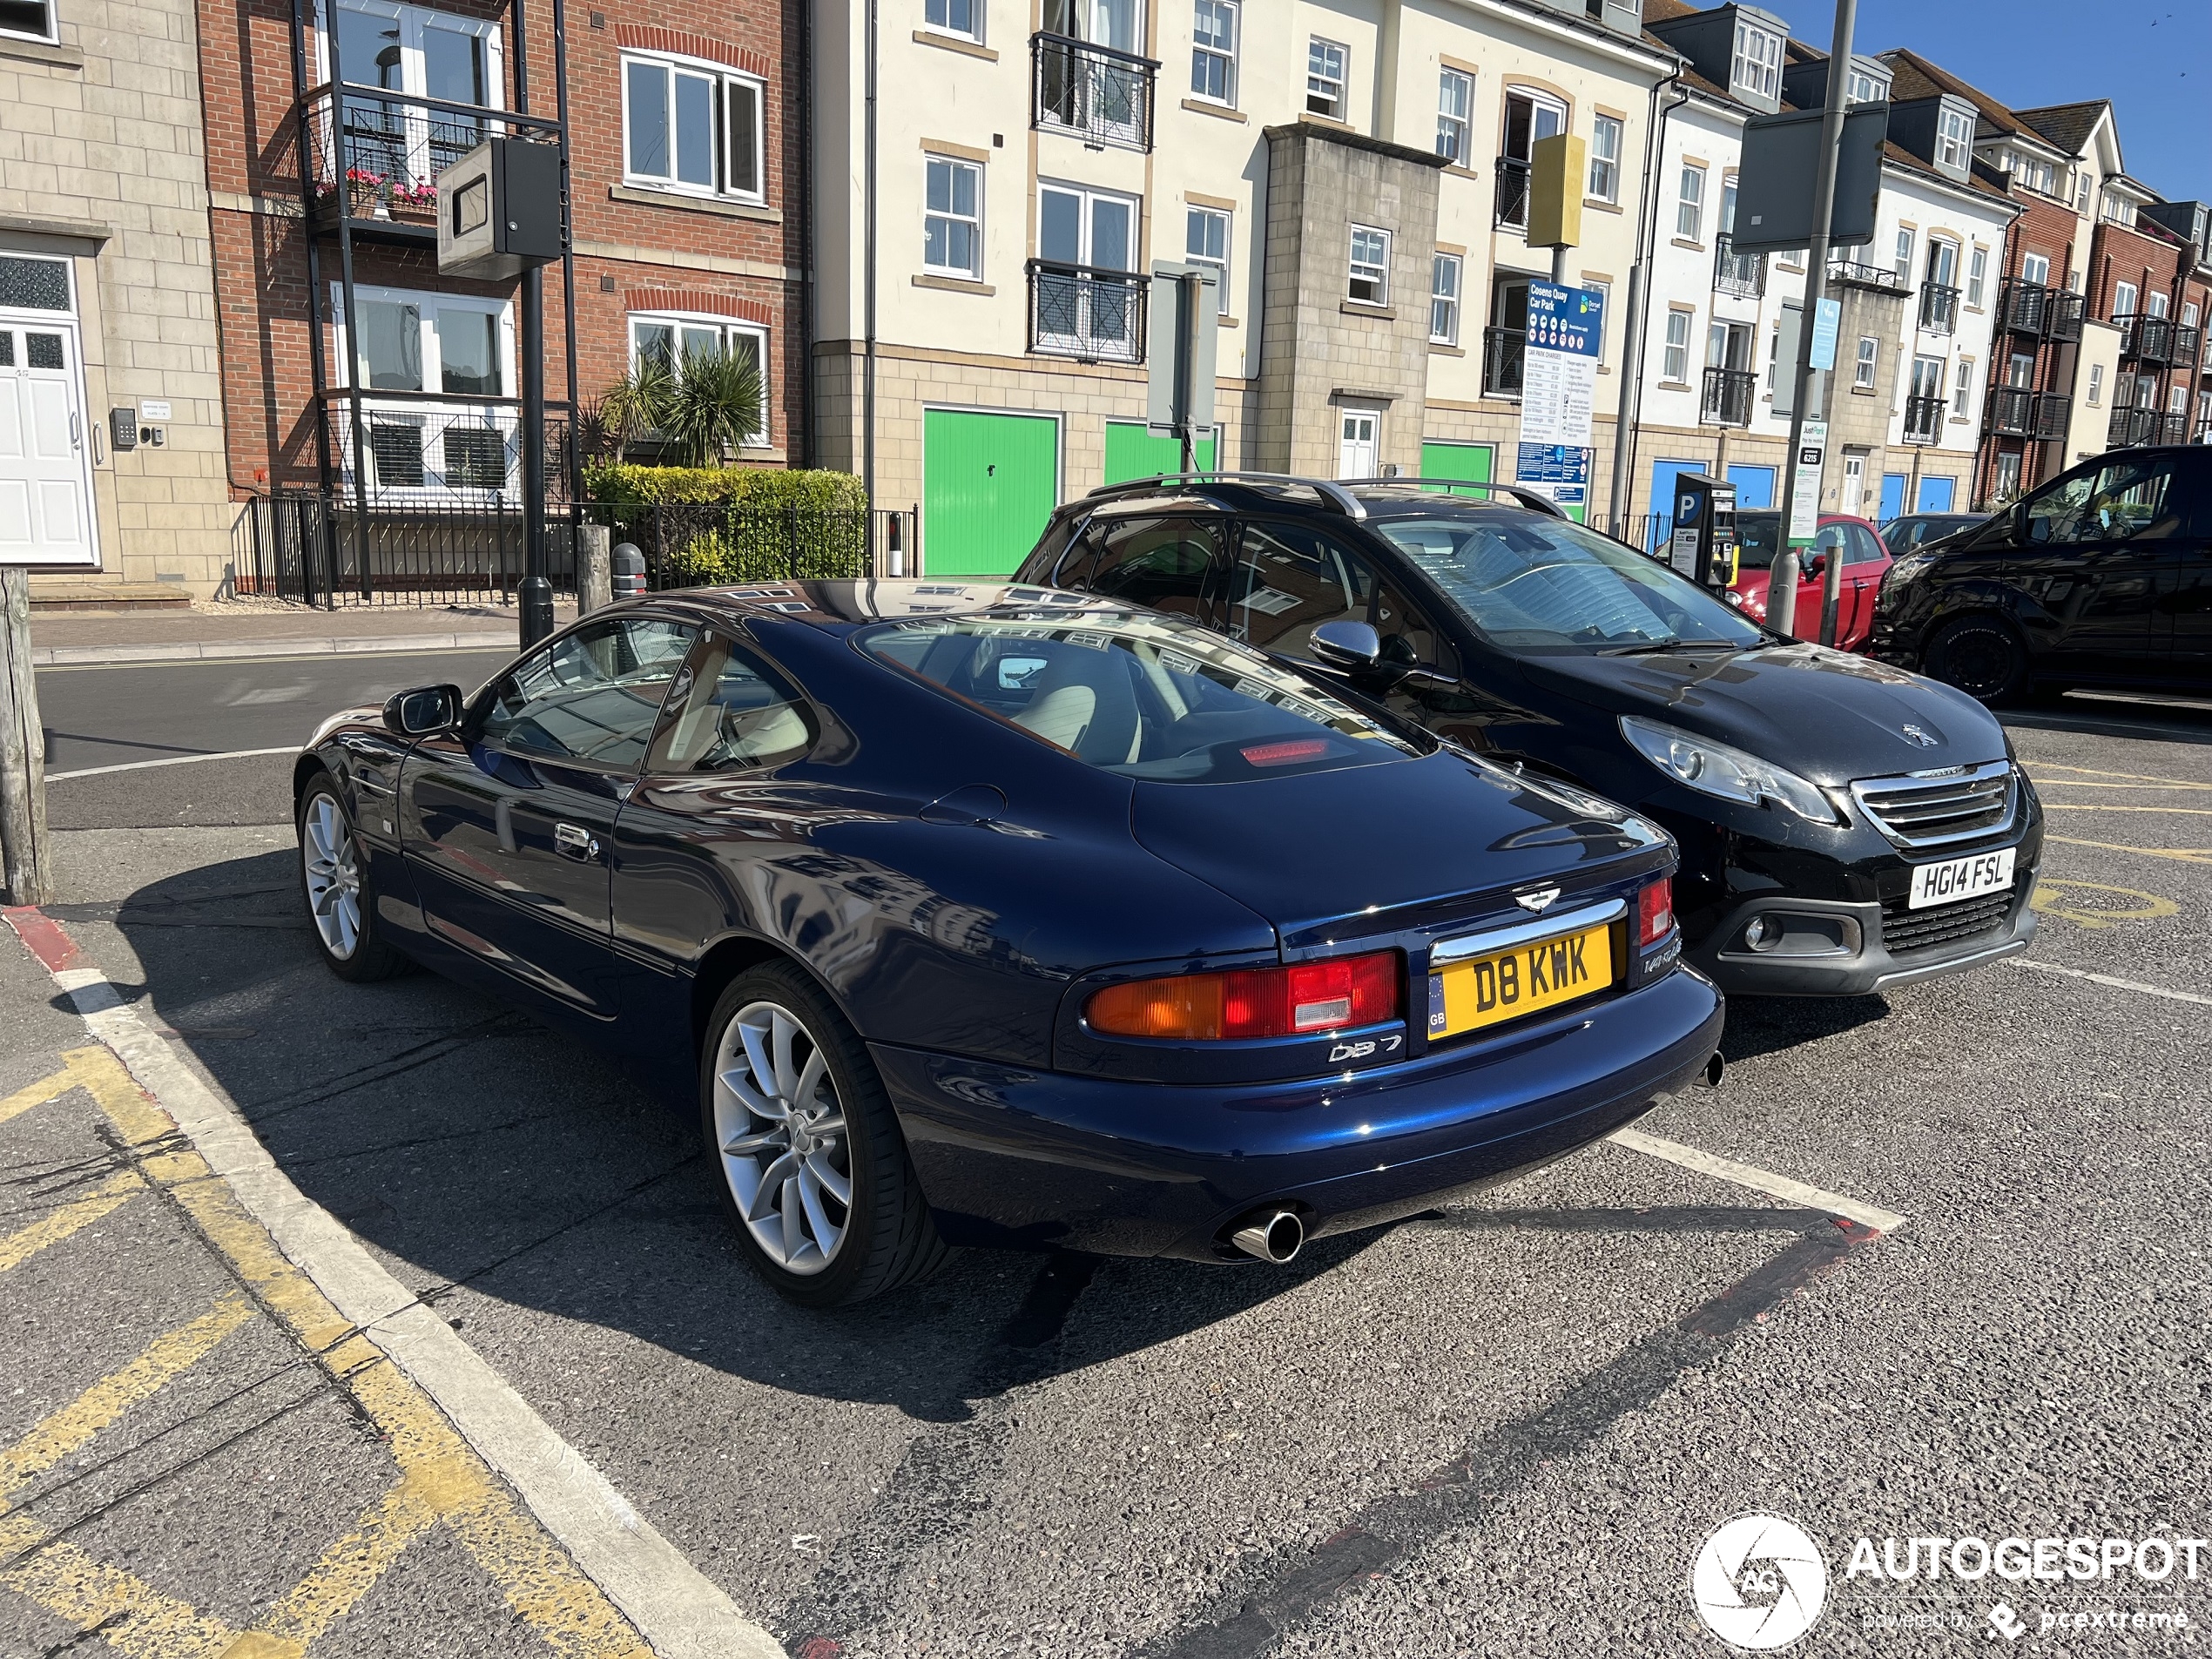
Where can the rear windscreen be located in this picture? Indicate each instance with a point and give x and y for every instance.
(1139, 694)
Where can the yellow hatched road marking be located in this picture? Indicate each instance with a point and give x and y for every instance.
(2179, 854)
(2099, 806)
(79, 1067)
(2037, 771)
(73, 1216)
(444, 1480)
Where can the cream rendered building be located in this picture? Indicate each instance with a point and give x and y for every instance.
(1351, 169)
(107, 308)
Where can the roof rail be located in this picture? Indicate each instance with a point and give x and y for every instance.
(1535, 501)
(1335, 494)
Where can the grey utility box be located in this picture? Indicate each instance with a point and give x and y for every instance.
(499, 210)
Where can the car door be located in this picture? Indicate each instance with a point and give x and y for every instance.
(1865, 565)
(1286, 579)
(1168, 563)
(507, 823)
(2100, 548)
(2187, 601)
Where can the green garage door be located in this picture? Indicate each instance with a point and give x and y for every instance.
(1133, 452)
(988, 483)
(1466, 462)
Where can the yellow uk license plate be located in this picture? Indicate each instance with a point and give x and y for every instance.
(1507, 984)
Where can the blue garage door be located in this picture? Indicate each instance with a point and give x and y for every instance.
(1892, 496)
(1664, 473)
(1754, 486)
(1936, 494)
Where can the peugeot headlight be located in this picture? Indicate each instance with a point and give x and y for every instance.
(1715, 769)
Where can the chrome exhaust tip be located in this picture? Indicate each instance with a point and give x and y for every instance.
(1270, 1235)
(1715, 1068)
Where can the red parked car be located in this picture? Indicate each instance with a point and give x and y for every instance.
(1864, 560)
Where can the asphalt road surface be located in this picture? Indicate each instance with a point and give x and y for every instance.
(1507, 1428)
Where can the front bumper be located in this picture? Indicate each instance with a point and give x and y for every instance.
(1010, 1157)
(1828, 947)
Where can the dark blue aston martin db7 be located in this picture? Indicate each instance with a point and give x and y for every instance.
(989, 915)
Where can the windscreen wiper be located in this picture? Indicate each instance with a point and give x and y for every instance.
(1652, 646)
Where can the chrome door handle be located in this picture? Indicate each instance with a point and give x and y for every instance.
(574, 843)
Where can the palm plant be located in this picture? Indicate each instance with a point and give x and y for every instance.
(637, 404)
(714, 407)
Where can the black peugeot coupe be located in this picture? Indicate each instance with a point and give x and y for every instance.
(1845, 826)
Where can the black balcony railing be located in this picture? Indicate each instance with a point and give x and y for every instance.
(2149, 338)
(1094, 92)
(2053, 411)
(1742, 274)
(1939, 308)
(2173, 428)
(2011, 411)
(1505, 359)
(1080, 311)
(374, 158)
(2023, 308)
(2063, 320)
(1872, 276)
(1513, 192)
(2131, 426)
(420, 447)
(1727, 400)
(1924, 419)
(2188, 340)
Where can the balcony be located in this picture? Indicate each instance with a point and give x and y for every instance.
(2188, 341)
(2062, 321)
(1092, 92)
(1727, 400)
(1513, 194)
(373, 157)
(1092, 315)
(2149, 338)
(2131, 427)
(1741, 274)
(2053, 410)
(2025, 308)
(1924, 419)
(429, 449)
(2011, 412)
(1505, 356)
(1869, 276)
(1939, 308)
(2173, 428)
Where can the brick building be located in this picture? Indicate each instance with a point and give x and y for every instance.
(686, 216)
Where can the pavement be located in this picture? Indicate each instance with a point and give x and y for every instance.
(214, 629)
(1507, 1427)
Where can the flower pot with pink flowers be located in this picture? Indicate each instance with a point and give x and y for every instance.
(415, 202)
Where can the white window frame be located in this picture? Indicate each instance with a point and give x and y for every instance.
(1674, 355)
(1355, 266)
(51, 37)
(970, 274)
(414, 78)
(1962, 402)
(930, 25)
(2096, 393)
(433, 404)
(1327, 63)
(726, 327)
(1454, 125)
(1606, 186)
(1976, 275)
(1445, 300)
(1218, 263)
(1954, 138)
(1689, 202)
(1866, 365)
(1204, 51)
(2156, 303)
(1907, 243)
(1756, 64)
(2189, 313)
(2177, 399)
(723, 79)
(1865, 88)
(2036, 268)
(2125, 296)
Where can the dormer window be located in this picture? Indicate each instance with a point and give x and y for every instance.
(1867, 89)
(1954, 138)
(1757, 64)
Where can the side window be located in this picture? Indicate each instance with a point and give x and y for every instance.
(1408, 637)
(1829, 539)
(1286, 579)
(737, 714)
(2120, 500)
(1864, 549)
(1164, 563)
(591, 695)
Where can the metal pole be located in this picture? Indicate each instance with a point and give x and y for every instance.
(322, 525)
(343, 196)
(1630, 409)
(1190, 292)
(1782, 583)
(574, 469)
(536, 596)
(867, 274)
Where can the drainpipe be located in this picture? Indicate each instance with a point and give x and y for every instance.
(804, 200)
(1630, 407)
(1387, 72)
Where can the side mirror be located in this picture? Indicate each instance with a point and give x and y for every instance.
(1344, 644)
(1817, 565)
(422, 711)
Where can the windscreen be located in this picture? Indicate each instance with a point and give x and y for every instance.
(1139, 694)
(1544, 585)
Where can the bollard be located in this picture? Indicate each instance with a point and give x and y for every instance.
(629, 571)
(594, 584)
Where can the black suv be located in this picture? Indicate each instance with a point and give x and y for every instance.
(2102, 577)
(1844, 826)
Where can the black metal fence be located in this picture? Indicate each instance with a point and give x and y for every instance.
(1094, 92)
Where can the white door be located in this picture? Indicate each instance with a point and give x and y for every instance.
(45, 486)
(1356, 448)
(1855, 483)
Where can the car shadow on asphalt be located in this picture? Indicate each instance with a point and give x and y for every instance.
(487, 1156)
(1763, 1025)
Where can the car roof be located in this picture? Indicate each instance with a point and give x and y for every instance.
(845, 604)
(1355, 499)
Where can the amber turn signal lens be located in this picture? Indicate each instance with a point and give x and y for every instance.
(1325, 996)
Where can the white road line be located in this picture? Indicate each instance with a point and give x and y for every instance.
(1745, 1175)
(674, 1606)
(2115, 982)
(169, 760)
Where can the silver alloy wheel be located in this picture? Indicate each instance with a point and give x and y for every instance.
(334, 876)
(781, 1129)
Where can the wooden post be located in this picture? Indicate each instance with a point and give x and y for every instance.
(594, 578)
(26, 855)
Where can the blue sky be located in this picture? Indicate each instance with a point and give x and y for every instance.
(2152, 58)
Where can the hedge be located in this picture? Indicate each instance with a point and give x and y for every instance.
(755, 488)
(707, 526)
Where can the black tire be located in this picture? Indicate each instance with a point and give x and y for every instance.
(887, 1239)
(1983, 655)
(367, 958)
